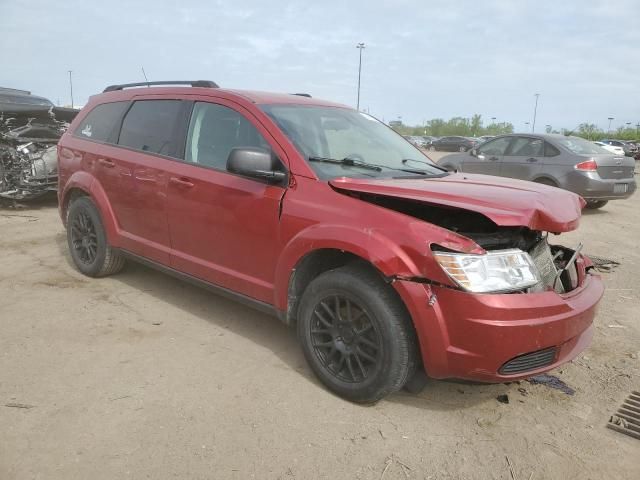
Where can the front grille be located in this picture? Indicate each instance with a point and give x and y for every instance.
(529, 361)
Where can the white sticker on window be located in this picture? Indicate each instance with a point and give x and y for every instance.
(86, 131)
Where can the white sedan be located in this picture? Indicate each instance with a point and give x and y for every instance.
(611, 148)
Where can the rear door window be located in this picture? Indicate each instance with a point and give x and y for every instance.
(152, 126)
(100, 125)
(550, 150)
(527, 147)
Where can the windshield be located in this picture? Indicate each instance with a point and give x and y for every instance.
(334, 133)
(581, 146)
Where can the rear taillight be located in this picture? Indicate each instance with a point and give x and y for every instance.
(588, 166)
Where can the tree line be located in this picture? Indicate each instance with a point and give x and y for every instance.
(475, 127)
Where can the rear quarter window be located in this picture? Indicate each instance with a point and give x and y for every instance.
(101, 123)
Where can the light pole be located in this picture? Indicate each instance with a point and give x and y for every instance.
(360, 46)
(609, 128)
(535, 111)
(637, 129)
(71, 86)
(526, 124)
(547, 128)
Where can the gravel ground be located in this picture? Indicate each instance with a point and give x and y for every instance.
(141, 376)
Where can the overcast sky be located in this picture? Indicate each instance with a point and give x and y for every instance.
(423, 58)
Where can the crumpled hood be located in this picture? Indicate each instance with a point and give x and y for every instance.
(506, 201)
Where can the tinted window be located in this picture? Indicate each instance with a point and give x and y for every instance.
(214, 131)
(550, 150)
(527, 147)
(151, 126)
(495, 147)
(101, 122)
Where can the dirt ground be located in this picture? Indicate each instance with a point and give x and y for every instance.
(141, 376)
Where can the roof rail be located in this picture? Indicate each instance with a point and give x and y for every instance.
(302, 95)
(193, 83)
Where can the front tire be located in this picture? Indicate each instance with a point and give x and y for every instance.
(356, 334)
(432, 148)
(595, 204)
(87, 241)
(462, 149)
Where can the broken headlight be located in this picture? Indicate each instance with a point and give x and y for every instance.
(495, 271)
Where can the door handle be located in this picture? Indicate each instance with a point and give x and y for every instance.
(181, 182)
(106, 163)
(531, 160)
(145, 179)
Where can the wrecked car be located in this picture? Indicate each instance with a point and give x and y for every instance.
(321, 215)
(30, 127)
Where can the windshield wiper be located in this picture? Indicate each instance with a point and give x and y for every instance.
(350, 162)
(431, 164)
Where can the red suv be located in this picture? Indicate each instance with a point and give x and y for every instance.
(328, 219)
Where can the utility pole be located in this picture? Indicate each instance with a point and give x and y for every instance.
(71, 86)
(360, 46)
(535, 111)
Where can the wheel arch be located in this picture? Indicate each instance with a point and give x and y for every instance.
(319, 249)
(546, 180)
(83, 184)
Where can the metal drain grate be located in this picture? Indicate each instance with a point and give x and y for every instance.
(627, 419)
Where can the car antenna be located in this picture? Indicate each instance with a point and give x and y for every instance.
(145, 75)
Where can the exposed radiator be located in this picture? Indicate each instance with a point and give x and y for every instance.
(543, 259)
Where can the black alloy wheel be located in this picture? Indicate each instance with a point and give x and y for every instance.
(345, 340)
(84, 238)
(87, 240)
(356, 333)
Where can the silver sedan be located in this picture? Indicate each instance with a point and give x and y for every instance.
(568, 162)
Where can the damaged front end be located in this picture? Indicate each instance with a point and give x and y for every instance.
(28, 157)
(506, 259)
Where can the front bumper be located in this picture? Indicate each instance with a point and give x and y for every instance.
(472, 336)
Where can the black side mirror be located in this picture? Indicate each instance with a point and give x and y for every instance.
(256, 163)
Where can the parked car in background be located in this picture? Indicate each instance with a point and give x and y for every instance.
(629, 150)
(416, 140)
(428, 140)
(572, 163)
(452, 144)
(324, 217)
(612, 148)
(484, 138)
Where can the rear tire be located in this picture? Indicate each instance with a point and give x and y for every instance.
(595, 204)
(432, 148)
(87, 241)
(356, 334)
